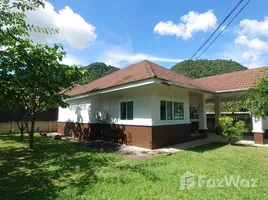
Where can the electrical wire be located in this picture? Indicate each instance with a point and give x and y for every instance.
(217, 28)
(223, 29)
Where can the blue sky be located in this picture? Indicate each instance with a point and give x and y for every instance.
(121, 32)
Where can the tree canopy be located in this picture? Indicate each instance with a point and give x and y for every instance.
(203, 68)
(33, 78)
(31, 75)
(95, 71)
(257, 99)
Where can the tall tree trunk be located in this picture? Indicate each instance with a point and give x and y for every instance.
(229, 140)
(31, 141)
(21, 135)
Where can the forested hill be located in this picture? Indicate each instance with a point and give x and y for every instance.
(190, 68)
(95, 71)
(203, 68)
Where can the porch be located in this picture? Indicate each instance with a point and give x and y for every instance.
(258, 128)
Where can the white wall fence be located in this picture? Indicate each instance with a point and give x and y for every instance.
(11, 127)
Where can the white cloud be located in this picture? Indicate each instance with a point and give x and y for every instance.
(73, 29)
(254, 28)
(250, 46)
(253, 44)
(190, 24)
(121, 58)
(72, 60)
(123, 54)
(248, 58)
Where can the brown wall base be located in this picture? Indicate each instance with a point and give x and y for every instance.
(194, 126)
(259, 138)
(170, 134)
(140, 136)
(203, 132)
(150, 137)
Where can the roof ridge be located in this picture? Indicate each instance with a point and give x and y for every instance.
(172, 71)
(150, 69)
(243, 70)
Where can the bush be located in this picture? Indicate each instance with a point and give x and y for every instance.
(232, 130)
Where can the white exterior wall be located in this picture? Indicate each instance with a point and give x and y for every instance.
(146, 105)
(69, 114)
(141, 97)
(169, 93)
(193, 101)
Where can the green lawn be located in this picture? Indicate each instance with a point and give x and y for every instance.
(61, 170)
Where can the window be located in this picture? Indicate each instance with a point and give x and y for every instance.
(178, 111)
(163, 110)
(171, 110)
(194, 113)
(126, 110)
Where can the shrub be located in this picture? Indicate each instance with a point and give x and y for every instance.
(232, 130)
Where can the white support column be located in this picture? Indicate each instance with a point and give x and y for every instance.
(202, 112)
(258, 130)
(257, 125)
(217, 109)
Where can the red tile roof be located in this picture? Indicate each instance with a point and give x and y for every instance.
(243, 79)
(140, 71)
(145, 70)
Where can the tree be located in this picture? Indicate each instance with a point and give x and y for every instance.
(204, 68)
(231, 129)
(13, 28)
(12, 21)
(257, 99)
(95, 71)
(34, 78)
(236, 106)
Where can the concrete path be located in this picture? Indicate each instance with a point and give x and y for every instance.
(247, 140)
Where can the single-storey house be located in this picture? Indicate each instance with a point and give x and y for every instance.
(147, 105)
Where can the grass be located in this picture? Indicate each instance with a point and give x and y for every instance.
(62, 170)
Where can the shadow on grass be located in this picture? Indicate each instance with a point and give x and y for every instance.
(51, 167)
(60, 169)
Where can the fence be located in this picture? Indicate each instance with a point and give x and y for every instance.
(11, 127)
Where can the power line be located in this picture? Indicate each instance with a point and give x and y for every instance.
(217, 28)
(223, 29)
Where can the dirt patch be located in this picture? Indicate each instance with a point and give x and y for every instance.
(132, 152)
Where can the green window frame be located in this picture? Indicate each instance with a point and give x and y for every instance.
(126, 110)
(170, 110)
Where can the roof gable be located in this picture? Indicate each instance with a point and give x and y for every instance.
(139, 71)
(145, 70)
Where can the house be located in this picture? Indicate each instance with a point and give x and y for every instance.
(149, 106)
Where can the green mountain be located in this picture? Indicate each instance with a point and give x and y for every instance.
(203, 68)
(190, 68)
(95, 71)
